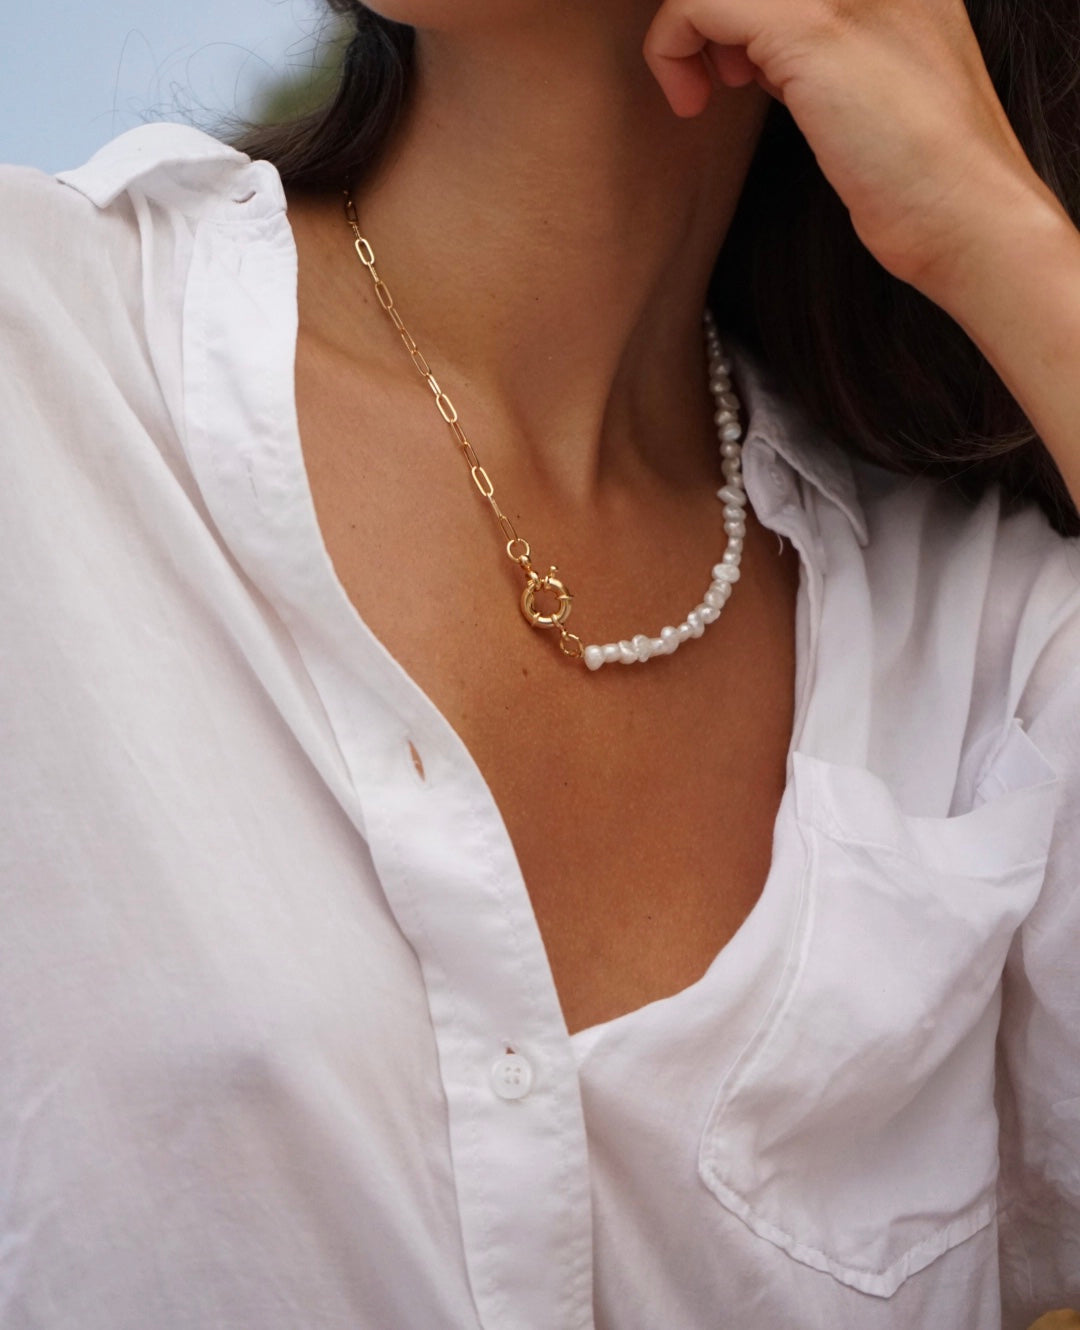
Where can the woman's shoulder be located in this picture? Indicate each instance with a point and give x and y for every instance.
(920, 540)
(926, 528)
(986, 583)
(93, 286)
(46, 231)
(81, 228)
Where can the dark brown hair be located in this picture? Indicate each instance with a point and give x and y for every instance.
(882, 368)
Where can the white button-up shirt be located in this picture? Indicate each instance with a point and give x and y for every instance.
(279, 1043)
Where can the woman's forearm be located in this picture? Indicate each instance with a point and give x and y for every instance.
(1016, 292)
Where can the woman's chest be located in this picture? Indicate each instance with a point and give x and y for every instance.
(640, 801)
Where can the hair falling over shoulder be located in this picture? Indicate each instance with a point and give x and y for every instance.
(880, 367)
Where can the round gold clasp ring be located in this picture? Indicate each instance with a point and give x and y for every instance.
(546, 582)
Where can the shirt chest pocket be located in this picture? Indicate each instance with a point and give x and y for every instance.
(856, 1131)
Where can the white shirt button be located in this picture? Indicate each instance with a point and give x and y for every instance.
(511, 1076)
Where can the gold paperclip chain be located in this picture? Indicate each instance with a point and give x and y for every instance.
(517, 548)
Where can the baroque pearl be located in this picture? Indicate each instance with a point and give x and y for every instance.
(733, 496)
(726, 572)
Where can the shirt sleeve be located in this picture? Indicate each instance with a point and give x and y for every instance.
(1038, 1082)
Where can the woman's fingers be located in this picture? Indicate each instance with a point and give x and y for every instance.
(732, 64)
(683, 34)
(673, 50)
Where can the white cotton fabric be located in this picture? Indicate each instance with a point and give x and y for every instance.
(255, 970)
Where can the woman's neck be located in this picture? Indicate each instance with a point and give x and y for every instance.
(547, 227)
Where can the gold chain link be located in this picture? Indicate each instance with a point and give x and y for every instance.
(517, 547)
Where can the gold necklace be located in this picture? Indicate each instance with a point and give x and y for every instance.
(733, 494)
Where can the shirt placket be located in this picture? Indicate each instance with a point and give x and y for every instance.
(516, 1127)
(443, 855)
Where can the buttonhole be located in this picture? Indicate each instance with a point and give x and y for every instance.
(416, 760)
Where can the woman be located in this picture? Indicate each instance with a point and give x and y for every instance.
(379, 951)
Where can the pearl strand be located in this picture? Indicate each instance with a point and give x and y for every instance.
(733, 496)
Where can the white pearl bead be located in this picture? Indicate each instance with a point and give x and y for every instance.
(732, 494)
(726, 572)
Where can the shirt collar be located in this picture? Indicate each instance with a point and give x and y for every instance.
(778, 422)
(182, 168)
(190, 170)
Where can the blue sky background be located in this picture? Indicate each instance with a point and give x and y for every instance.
(75, 73)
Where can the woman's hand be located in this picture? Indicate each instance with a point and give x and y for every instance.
(895, 100)
(893, 97)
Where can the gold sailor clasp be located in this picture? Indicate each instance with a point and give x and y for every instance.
(546, 582)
